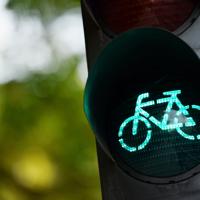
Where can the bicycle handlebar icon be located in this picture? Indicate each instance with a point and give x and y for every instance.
(143, 116)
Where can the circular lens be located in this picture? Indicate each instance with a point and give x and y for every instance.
(121, 15)
(156, 133)
(142, 100)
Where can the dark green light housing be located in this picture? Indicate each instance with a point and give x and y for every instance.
(129, 87)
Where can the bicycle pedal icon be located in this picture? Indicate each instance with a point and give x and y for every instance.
(167, 122)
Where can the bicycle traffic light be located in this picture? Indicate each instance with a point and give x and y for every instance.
(141, 78)
(142, 99)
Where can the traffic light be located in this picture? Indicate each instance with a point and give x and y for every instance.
(142, 98)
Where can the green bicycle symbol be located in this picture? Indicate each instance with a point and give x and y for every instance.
(143, 116)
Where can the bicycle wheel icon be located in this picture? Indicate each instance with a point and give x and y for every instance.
(185, 134)
(130, 122)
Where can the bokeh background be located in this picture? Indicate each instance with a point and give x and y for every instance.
(47, 150)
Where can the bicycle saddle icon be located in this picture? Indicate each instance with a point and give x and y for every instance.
(171, 98)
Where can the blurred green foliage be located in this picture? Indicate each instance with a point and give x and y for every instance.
(47, 148)
(45, 7)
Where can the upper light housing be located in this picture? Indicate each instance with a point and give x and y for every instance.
(116, 16)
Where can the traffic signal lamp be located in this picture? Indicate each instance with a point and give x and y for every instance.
(139, 85)
(142, 97)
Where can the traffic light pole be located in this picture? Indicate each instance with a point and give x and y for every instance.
(95, 41)
(109, 177)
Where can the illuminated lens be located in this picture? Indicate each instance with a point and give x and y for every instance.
(163, 147)
(121, 15)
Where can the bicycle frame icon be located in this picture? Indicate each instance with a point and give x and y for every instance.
(171, 98)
